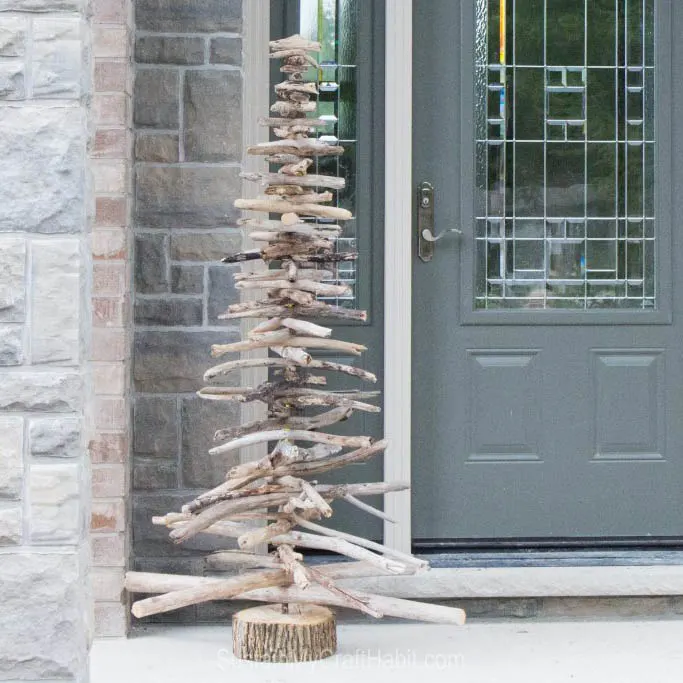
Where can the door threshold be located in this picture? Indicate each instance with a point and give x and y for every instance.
(587, 580)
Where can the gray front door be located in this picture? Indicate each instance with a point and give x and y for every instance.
(548, 337)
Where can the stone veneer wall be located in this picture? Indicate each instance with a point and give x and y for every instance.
(45, 625)
(188, 150)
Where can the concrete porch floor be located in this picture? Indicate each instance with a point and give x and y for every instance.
(578, 651)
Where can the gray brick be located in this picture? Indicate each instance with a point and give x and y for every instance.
(156, 99)
(151, 265)
(213, 115)
(12, 278)
(154, 473)
(55, 437)
(13, 36)
(55, 515)
(42, 176)
(169, 50)
(11, 457)
(199, 420)
(225, 50)
(222, 292)
(155, 431)
(55, 307)
(12, 81)
(54, 392)
(189, 16)
(174, 361)
(186, 196)
(172, 311)
(210, 246)
(156, 147)
(11, 345)
(187, 279)
(57, 57)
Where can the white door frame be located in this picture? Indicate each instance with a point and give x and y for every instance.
(398, 251)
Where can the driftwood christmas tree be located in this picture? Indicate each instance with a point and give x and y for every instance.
(280, 492)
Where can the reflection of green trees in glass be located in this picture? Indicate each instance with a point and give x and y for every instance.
(547, 34)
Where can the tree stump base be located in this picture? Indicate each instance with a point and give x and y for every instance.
(266, 633)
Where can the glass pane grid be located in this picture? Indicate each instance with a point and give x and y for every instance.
(332, 23)
(565, 154)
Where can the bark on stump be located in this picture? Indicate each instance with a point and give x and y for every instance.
(267, 634)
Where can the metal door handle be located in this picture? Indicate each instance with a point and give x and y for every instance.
(425, 222)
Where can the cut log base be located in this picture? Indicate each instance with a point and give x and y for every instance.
(266, 633)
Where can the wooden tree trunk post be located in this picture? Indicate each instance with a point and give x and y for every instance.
(268, 633)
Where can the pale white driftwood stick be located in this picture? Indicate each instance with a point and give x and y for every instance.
(390, 607)
(331, 181)
(306, 328)
(368, 508)
(343, 547)
(283, 206)
(226, 589)
(276, 122)
(225, 368)
(305, 285)
(293, 353)
(294, 42)
(305, 147)
(142, 582)
(218, 350)
(363, 542)
(295, 435)
(293, 567)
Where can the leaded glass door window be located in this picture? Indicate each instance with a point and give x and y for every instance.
(565, 154)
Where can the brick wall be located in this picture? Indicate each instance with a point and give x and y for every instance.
(44, 340)
(110, 244)
(188, 135)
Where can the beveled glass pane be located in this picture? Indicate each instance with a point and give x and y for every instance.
(565, 153)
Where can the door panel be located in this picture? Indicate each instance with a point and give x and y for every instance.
(547, 338)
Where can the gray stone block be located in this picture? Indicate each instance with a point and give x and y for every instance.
(12, 81)
(222, 292)
(156, 99)
(189, 16)
(151, 264)
(53, 392)
(43, 631)
(187, 279)
(225, 50)
(156, 147)
(199, 421)
(40, 5)
(169, 50)
(213, 115)
(210, 246)
(155, 430)
(13, 36)
(57, 58)
(42, 176)
(55, 437)
(174, 361)
(10, 530)
(154, 473)
(55, 506)
(11, 457)
(172, 312)
(12, 278)
(11, 345)
(186, 196)
(55, 305)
